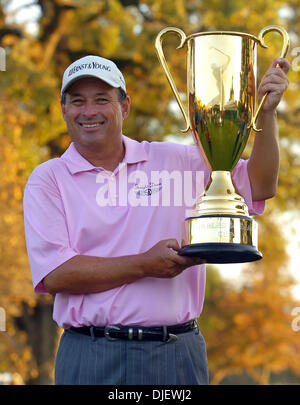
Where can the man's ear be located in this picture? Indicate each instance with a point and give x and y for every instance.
(125, 107)
(63, 109)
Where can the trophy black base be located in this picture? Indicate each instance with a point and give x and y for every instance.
(222, 252)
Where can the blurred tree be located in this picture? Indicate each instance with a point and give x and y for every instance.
(32, 131)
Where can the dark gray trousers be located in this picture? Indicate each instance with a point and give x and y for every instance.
(84, 360)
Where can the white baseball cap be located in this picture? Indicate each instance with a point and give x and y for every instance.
(93, 66)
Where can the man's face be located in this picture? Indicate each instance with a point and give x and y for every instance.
(93, 113)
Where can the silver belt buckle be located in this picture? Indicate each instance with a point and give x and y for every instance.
(172, 338)
(108, 329)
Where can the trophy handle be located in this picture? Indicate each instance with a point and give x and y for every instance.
(284, 51)
(161, 57)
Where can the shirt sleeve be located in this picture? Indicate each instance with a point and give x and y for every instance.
(46, 232)
(241, 180)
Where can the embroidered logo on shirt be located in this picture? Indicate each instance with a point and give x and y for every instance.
(149, 189)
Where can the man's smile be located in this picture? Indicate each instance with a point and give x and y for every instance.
(91, 125)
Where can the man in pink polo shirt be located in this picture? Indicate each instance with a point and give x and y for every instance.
(104, 223)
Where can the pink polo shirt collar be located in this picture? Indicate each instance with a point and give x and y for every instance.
(76, 163)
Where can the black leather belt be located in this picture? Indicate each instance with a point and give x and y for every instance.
(135, 332)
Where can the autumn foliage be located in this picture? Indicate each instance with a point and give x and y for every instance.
(247, 324)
